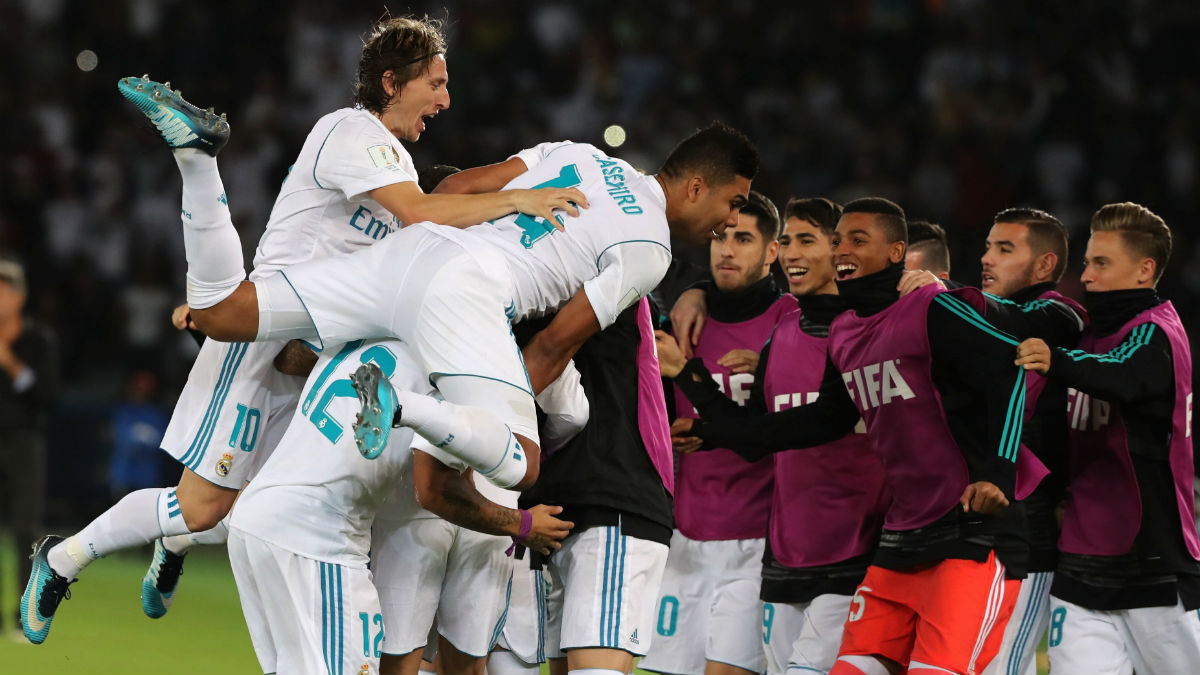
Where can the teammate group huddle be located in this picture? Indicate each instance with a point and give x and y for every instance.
(875, 473)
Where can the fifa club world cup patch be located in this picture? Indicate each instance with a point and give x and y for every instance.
(224, 465)
(384, 156)
(364, 669)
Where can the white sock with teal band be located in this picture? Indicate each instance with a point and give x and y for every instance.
(139, 518)
(474, 435)
(210, 241)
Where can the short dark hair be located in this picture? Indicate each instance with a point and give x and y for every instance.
(403, 45)
(1047, 234)
(429, 177)
(888, 215)
(765, 213)
(717, 152)
(1141, 229)
(930, 240)
(821, 212)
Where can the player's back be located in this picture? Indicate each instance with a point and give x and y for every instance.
(324, 206)
(317, 496)
(626, 217)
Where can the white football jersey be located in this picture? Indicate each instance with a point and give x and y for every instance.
(317, 496)
(618, 249)
(323, 207)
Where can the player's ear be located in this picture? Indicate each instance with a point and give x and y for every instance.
(897, 251)
(388, 80)
(696, 186)
(772, 252)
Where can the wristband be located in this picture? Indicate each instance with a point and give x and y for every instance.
(522, 532)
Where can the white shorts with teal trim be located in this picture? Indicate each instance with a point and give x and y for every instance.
(232, 411)
(1026, 626)
(605, 585)
(304, 615)
(525, 626)
(430, 569)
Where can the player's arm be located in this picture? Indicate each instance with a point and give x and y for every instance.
(452, 496)
(232, 319)
(407, 202)
(979, 357)
(1138, 369)
(628, 271)
(696, 382)
(1055, 322)
(493, 177)
(547, 354)
(830, 417)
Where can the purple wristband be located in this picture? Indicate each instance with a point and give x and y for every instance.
(526, 525)
(525, 529)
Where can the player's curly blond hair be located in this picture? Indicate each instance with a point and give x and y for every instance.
(404, 45)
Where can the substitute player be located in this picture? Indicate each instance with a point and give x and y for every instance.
(709, 610)
(1025, 257)
(943, 408)
(352, 185)
(1128, 579)
(828, 504)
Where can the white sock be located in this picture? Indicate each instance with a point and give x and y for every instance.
(139, 518)
(180, 543)
(474, 435)
(504, 662)
(212, 246)
(594, 671)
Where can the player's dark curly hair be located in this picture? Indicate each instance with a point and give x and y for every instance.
(718, 153)
(404, 45)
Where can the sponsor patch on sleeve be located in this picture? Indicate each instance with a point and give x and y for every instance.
(384, 156)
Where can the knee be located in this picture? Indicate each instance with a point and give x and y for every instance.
(202, 516)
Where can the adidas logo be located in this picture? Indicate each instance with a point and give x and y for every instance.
(173, 129)
(634, 638)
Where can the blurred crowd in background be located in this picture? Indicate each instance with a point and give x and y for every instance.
(953, 108)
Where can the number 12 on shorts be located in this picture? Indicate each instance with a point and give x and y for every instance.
(371, 648)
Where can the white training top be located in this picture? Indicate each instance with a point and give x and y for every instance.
(323, 207)
(617, 250)
(316, 496)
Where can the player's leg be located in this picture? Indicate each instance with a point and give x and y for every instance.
(1084, 640)
(781, 624)
(962, 614)
(522, 644)
(247, 571)
(475, 598)
(610, 584)
(683, 613)
(878, 635)
(1162, 639)
(409, 564)
(734, 637)
(454, 302)
(815, 646)
(1030, 618)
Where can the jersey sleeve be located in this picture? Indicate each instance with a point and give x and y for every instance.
(628, 271)
(534, 156)
(1139, 369)
(359, 156)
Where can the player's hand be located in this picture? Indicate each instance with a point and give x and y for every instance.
(740, 360)
(181, 318)
(543, 202)
(670, 356)
(547, 532)
(911, 280)
(983, 497)
(688, 317)
(1034, 354)
(681, 437)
